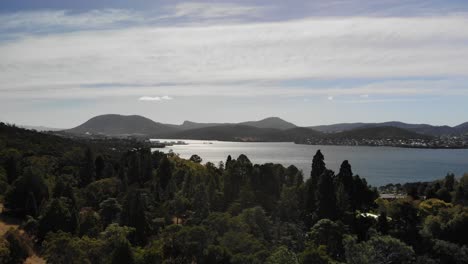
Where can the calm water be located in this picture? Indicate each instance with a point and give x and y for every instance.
(379, 165)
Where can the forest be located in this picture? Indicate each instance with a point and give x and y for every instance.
(116, 201)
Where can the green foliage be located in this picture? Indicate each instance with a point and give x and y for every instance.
(379, 249)
(328, 234)
(27, 193)
(110, 210)
(282, 256)
(90, 223)
(114, 201)
(59, 215)
(100, 190)
(61, 248)
(15, 247)
(122, 253)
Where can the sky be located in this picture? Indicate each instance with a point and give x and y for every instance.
(310, 62)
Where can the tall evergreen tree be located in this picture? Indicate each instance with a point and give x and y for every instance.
(99, 164)
(326, 200)
(318, 168)
(164, 172)
(88, 170)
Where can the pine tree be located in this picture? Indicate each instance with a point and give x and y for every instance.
(88, 171)
(326, 200)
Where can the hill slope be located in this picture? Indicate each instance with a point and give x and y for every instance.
(246, 133)
(418, 128)
(385, 132)
(270, 122)
(114, 125)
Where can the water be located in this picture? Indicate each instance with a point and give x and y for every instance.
(379, 165)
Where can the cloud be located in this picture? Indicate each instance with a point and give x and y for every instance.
(149, 98)
(330, 98)
(364, 96)
(156, 98)
(45, 20)
(246, 59)
(205, 10)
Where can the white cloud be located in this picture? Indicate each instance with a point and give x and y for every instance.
(42, 20)
(207, 10)
(364, 96)
(210, 60)
(155, 98)
(149, 98)
(330, 98)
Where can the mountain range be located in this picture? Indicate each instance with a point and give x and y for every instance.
(268, 129)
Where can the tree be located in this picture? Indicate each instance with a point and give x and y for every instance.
(123, 253)
(99, 164)
(288, 205)
(59, 215)
(90, 223)
(379, 249)
(329, 234)
(195, 158)
(318, 168)
(282, 256)
(18, 248)
(63, 248)
(110, 210)
(28, 192)
(134, 215)
(382, 223)
(88, 169)
(325, 197)
(164, 172)
(200, 203)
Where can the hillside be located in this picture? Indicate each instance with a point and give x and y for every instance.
(231, 133)
(270, 122)
(385, 132)
(417, 128)
(246, 133)
(115, 125)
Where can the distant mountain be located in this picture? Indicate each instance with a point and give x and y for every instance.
(384, 132)
(418, 128)
(193, 125)
(40, 128)
(239, 132)
(268, 129)
(270, 122)
(462, 128)
(334, 128)
(118, 125)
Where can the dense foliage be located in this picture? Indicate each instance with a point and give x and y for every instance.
(93, 202)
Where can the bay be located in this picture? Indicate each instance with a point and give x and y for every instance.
(379, 165)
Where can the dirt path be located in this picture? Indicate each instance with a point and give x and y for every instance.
(7, 222)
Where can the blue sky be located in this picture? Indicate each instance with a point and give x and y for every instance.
(309, 62)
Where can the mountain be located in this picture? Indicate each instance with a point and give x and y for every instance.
(462, 128)
(40, 128)
(334, 128)
(268, 129)
(193, 125)
(247, 133)
(418, 128)
(119, 125)
(384, 132)
(270, 122)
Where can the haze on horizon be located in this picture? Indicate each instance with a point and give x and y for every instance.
(308, 62)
